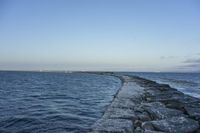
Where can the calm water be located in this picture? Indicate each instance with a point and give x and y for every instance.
(189, 83)
(33, 102)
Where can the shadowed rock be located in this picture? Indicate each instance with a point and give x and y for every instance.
(149, 131)
(193, 112)
(173, 125)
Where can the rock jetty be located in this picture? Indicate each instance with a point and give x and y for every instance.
(144, 106)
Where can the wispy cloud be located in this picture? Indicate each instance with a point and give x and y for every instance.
(197, 60)
(167, 57)
(192, 64)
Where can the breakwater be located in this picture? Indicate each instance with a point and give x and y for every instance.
(144, 106)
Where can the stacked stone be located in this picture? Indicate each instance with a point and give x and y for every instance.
(143, 106)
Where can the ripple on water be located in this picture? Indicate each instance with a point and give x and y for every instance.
(53, 102)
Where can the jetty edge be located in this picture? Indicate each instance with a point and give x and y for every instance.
(144, 106)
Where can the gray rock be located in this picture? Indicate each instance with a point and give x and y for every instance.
(149, 107)
(127, 79)
(176, 125)
(159, 111)
(147, 126)
(182, 101)
(193, 112)
(113, 126)
(137, 123)
(123, 103)
(164, 87)
(198, 131)
(144, 116)
(162, 97)
(174, 104)
(131, 91)
(138, 130)
(120, 113)
(153, 104)
(149, 131)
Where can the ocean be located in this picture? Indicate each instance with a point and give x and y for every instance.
(59, 102)
(39, 102)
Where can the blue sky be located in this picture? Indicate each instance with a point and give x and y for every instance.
(118, 35)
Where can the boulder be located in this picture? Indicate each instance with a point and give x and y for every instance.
(159, 111)
(193, 112)
(176, 125)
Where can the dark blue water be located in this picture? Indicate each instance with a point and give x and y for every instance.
(33, 102)
(188, 83)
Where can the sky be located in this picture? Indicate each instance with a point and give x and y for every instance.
(103, 35)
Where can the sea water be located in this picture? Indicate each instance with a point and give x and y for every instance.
(58, 102)
(41, 102)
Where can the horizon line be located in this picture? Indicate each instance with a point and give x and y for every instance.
(73, 71)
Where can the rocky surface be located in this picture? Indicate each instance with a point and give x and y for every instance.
(144, 106)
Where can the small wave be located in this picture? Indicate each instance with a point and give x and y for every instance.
(184, 82)
(53, 102)
(19, 122)
(187, 87)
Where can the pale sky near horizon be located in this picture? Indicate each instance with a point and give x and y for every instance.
(118, 35)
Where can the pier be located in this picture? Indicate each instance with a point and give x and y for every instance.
(144, 106)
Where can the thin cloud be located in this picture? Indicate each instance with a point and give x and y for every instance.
(192, 60)
(191, 64)
(167, 57)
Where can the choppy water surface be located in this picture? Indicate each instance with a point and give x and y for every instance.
(33, 102)
(188, 83)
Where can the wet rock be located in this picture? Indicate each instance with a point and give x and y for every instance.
(159, 111)
(193, 112)
(181, 102)
(198, 131)
(113, 126)
(147, 126)
(186, 99)
(164, 87)
(144, 116)
(138, 130)
(176, 125)
(137, 123)
(195, 104)
(174, 104)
